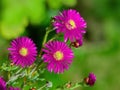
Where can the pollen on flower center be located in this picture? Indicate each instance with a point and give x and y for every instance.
(71, 24)
(58, 55)
(23, 51)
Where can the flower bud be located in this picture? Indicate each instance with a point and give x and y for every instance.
(90, 80)
(33, 88)
(68, 85)
(77, 43)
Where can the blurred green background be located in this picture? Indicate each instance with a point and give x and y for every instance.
(100, 52)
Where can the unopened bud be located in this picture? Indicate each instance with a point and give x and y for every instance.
(68, 85)
(77, 43)
(90, 80)
(33, 88)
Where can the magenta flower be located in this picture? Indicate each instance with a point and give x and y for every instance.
(71, 24)
(58, 56)
(91, 79)
(23, 51)
(14, 88)
(2, 84)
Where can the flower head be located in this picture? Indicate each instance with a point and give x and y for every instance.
(71, 24)
(23, 51)
(58, 56)
(14, 88)
(2, 84)
(91, 79)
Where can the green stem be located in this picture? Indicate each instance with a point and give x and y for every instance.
(71, 87)
(19, 71)
(42, 87)
(15, 77)
(36, 68)
(54, 37)
(43, 43)
(45, 37)
(9, 75)
(76, 86)
(44, 40)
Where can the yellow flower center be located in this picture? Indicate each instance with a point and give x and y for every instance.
(23, 51)
(71, 24)
(58, 55)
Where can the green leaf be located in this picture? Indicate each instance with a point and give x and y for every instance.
(8, 68)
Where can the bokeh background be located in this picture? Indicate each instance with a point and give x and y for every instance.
(100, 52)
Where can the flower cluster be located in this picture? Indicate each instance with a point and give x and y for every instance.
(57, 55)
